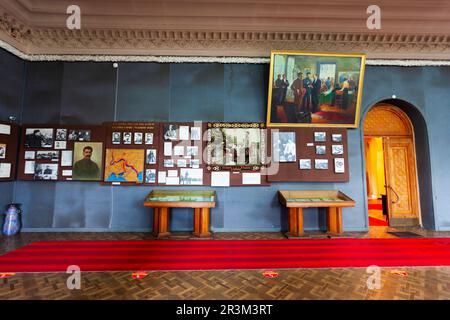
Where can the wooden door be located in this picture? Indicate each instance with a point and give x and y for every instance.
(401, 181)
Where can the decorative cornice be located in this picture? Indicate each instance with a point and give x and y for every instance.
(191, 45)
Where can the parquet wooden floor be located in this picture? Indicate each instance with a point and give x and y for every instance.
(292, 284)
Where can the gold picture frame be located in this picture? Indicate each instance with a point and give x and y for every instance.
(329, 95)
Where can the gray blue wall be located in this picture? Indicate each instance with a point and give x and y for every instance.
(90, 93)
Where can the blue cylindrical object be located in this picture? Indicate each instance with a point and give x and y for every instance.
(13, 219)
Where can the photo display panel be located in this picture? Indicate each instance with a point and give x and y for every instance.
(236, 153)
(308, 155)
(181, 154)
(9, 141)
(131, 153)
(61, 152)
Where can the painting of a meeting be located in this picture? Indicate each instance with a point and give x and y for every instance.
(315, 89)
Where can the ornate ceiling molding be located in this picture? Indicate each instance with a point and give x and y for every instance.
(37, 43)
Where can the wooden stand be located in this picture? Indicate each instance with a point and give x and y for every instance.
(201, 223)
(332, 200)
(162, 210)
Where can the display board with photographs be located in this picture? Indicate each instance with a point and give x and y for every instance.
(9, 140)
(180, 156)
(61, 152)
(321, 155)
(131, 153)
(235, 153)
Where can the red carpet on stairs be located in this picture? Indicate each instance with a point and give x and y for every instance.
(226, 254)
(374, 222)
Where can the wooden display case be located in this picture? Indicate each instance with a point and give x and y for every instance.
(296, 200)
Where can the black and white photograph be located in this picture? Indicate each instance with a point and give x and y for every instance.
(339, 165)
(304, 164)
(192, 151)
(284, 149)
(127, 137)
(61, 135)
(60, 145)
(150, 156)
(337, 149)
(2, 151)
(80, 135)
(336, 137)
(150, 176)
(38, 138)
(170, 132)
(148, 138)
(191, 176)
(178, 150)
(46, 171)
(168, 163)
(321, 149)
(194, 163)
(30, 155)
(196, 133)
(320, 136)
(29, 167)
(183, 132)
(181, 163)
(321, 164)
(116, 137)
(47, 155)
(235, 146)
(138, 138)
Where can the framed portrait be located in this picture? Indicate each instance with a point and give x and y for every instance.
(171, 132)
(313, 89)
(150, 156)
(127, 137)
(138, 138)
(116, 137)
(148, 138)
(150, 176)
(283, 146)
(87, 161)
(2, 151)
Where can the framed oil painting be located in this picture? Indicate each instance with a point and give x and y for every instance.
(309, 89)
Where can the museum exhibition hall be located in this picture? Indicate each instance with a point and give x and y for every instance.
(224, 150)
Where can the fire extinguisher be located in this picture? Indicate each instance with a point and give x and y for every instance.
(12, 223)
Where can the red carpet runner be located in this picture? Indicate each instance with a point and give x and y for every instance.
(226, 254)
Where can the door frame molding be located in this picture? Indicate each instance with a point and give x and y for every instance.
(410, 134)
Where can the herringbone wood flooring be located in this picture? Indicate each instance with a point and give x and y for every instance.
(292, 284)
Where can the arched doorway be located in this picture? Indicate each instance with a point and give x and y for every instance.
(391, 169)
